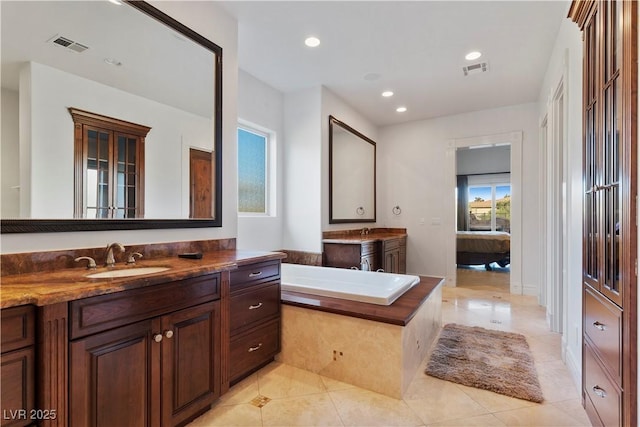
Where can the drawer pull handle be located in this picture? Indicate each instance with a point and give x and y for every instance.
(599, 391)
(599, 326)
(157, 337)
(168, 333)
(254, 307)
(256, 274)
(256, 348)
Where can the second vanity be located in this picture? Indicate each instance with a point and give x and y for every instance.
(158, 348)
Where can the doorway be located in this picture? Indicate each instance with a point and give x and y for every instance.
(491, 218)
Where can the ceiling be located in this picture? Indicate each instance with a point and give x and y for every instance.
(414, 48)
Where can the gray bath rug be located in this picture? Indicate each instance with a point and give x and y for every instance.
(491, 360)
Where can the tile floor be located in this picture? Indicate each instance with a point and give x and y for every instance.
(281, 395)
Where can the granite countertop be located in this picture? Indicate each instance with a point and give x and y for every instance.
(366, 238)
(45, 288)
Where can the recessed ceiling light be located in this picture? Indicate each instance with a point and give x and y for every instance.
(473, 55)
(387, 93)
(401, 109)
(312, 41)
(118, 2)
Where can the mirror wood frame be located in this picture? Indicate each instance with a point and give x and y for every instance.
(335, 122)
(70, 225)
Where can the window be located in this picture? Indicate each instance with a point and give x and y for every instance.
(254, 148)
(489, 203)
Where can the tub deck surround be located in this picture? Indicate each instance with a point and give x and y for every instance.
(399, 313)
(375, 347)
(52, 287)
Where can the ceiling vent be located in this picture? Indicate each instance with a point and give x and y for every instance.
(478, 68)
(68, 43)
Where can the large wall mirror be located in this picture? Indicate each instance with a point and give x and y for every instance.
(352, 175)
(129, 63)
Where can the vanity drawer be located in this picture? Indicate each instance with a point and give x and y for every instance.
(252, 349)
(254, 304)
(18, 327)
(603, 395)
(97, 314)
(603, 327)
(253, 274)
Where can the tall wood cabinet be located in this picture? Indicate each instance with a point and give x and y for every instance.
(610, 76)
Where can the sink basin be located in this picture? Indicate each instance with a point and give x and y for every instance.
(127, 272)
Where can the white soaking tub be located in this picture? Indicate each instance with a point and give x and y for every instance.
(354, 285)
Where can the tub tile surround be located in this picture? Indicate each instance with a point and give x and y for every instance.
(301, 257)
(377, 356)
(428, 401)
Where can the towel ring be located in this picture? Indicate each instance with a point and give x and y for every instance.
(396, 210)
(360, 210)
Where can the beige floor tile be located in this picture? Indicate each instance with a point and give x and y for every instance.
(243, 392)
(309, 410)
(538, 416)
(494, 402)
(487, 420)
(557, 385)
(448, 403)
(229, 416)
(574, 409)
(358, 407)
(277, 381)
(333, 385)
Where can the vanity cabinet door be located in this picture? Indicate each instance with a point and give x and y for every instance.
(191, 381)
(115, 377)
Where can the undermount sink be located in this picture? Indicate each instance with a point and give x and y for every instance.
(126, 272)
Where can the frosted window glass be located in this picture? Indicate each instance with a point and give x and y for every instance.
(252, 172)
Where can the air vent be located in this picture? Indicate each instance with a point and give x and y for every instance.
(478, 68)
(68, 43)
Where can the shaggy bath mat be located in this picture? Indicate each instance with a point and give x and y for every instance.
(491, 360)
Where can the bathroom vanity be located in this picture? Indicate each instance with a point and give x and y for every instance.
(366, 249)
(158, 348)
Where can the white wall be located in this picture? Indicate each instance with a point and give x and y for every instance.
(10, 154)
(413, 158)
(262, 106)
(303, 171)
(566, 60)
(215, 24)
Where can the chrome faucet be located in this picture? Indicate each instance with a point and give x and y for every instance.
(110, 261)
(364, 231)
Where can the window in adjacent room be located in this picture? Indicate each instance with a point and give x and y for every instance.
(489, 203)
(254, 170)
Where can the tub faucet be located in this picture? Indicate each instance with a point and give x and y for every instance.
(364, 231)
(110, 261)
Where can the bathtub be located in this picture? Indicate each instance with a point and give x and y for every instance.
(354, 285)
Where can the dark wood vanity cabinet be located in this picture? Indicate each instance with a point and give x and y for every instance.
(359, 255)
(254, 318)
(394, 255)
(18, 366)
(147, 356)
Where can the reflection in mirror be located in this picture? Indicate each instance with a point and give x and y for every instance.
(129, 62)
(352, 175)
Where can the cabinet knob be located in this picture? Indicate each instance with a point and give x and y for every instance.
(599, 391)
(599, 326)
(254, 307)
(252, 349)
(168, 333)
(157, 337)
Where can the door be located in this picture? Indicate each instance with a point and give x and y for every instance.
(200, 184)
(114, 377)
(190, 380)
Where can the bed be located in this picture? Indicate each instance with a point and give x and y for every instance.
(483, 248)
